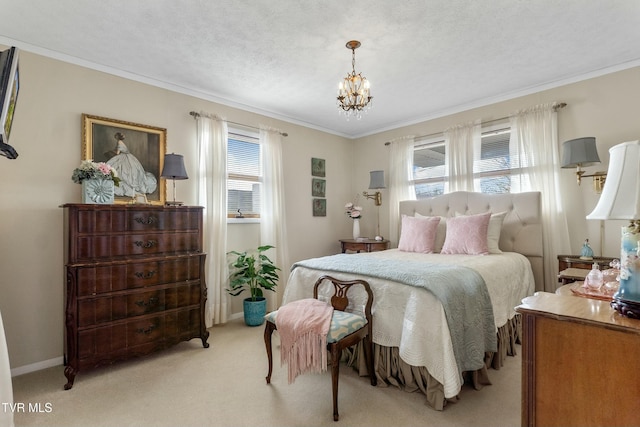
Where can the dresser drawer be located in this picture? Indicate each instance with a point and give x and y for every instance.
(94, 279)
(136, 337)
(109, 246)
(92, 220)
(95, 311)
(105, 342)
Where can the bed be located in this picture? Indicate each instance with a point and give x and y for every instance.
(424, 338)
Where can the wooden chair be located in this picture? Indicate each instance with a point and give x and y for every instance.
(339, 336)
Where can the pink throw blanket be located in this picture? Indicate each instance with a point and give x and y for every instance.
(303, 326)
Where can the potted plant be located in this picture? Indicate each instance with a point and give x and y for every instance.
(253, 271)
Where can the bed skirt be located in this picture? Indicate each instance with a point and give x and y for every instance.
(391, 370)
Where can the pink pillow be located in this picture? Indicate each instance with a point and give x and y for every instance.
(418, 234)
(467, 235)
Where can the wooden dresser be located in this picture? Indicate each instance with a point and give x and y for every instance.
(579, 363)
(134, 282)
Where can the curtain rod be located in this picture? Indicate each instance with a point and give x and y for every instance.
(556, 108)
(196, 115)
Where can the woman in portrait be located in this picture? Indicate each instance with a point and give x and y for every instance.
(133, 178)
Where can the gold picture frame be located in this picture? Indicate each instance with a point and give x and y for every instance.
(136, 152)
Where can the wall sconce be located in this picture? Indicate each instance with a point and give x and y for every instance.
(174, 169)
(580, 152)
(376, 182)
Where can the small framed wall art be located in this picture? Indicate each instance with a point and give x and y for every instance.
(317, 167)
(319, 207)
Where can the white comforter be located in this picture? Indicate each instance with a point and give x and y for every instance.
(413, 320)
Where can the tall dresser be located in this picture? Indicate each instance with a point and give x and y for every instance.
(134, 282)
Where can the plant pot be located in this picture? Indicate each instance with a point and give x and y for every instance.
(254, 311)
(98, 191)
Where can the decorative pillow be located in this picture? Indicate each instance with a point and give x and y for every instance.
(441, 232)
(493, 232)
(467, 235)
(418, 234)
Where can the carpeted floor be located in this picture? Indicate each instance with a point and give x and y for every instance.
(224, 385)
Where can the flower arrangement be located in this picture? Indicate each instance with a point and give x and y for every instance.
(353, 211)
(93, 170)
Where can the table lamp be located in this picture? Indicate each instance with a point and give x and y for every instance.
(621, 200)
(174, 169)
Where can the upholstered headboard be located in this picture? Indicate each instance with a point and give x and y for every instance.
(521, 229)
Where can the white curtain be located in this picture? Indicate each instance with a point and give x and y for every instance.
(272, 213)
(400, 181)
(460, 142)
(212, 194)
(534, 141)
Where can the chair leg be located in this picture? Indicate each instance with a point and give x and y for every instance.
(268, 331)
(336, 353)
(370, 359)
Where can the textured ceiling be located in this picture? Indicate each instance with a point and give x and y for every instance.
(284, 58)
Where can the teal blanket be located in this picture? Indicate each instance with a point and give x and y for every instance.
(461, 290)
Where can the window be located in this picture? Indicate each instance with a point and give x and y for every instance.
(244, 174)
(492, 168)
(428, 168)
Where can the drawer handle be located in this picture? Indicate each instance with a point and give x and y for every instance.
(149, 220)
(152, 301)
(143, 275)
(146, 331)
(147, 244)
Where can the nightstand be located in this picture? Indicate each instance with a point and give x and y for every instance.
(571, 268)
(363, 245)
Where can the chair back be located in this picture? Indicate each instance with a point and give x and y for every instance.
(340, 296)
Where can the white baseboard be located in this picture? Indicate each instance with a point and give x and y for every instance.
(237, 316)
(37, 366)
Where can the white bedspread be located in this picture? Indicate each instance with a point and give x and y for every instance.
(413, 320)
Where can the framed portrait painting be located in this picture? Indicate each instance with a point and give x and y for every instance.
(135, 151)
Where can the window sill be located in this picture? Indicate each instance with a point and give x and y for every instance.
(243, 220)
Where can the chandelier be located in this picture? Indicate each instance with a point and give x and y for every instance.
(353, 90)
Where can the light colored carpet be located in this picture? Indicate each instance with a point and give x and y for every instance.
(224, 385)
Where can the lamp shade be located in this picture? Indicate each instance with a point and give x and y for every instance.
(174, 167)
(377, 179)
(579, 152)
(620, 197)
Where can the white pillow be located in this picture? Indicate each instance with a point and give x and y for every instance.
(493, 233)
(441, 232)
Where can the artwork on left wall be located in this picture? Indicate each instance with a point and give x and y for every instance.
(318, 187)
(136, 152)
(319, 207)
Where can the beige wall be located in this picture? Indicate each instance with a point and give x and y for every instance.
(604, 107)
(46, 134)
